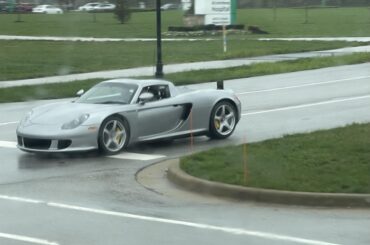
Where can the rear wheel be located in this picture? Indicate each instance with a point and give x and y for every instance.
(113, 135)
(222, 121)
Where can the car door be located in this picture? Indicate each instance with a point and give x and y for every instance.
(160, 116)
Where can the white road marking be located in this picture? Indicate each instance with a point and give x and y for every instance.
(8, 123)
(346, 39)
(233, 231)
(27, 239)
(306, 105)
(303, 85)
(20, 199)
(136, 156)
(8, 144)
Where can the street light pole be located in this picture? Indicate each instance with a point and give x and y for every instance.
(159, 65)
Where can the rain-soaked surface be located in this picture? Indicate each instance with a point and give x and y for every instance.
(88, 198)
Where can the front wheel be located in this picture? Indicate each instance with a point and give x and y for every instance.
(113, 135)
(222, 121)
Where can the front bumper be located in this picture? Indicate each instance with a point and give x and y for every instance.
(79, 139)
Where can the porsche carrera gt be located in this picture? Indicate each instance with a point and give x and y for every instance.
(115, 113)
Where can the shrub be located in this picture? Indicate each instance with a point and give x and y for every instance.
(122, 11)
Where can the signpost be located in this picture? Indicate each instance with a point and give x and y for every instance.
(217, 12)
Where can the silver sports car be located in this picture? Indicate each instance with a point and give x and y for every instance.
(116, 113)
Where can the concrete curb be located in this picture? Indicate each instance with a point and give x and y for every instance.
(179, 177)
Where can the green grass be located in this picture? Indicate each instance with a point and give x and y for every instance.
(49, 91)
(62, 90)
(328, 22)
(261, 69)
(83, 25)
(336, 161)
(29, 59)
(289, 22)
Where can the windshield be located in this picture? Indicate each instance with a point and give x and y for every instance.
(109, 93)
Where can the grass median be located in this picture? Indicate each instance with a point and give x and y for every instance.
(30, 59)
(332, 161)
(288, 22)
(261, 69)
(63, 90)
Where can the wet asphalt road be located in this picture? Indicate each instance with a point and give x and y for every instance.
(92, 199)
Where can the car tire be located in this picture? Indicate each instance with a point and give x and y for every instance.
(222, 121)
(113, 136)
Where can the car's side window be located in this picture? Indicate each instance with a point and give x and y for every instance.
(160, 92)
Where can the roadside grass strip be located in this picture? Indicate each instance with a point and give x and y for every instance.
(72, 57)
(325, 161)
(64, 90)
(228, 230)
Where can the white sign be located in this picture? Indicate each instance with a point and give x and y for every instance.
(185, 5)
(216, 12)
(217, 19)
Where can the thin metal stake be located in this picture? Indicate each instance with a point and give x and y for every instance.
(224, 38)
(245, 166)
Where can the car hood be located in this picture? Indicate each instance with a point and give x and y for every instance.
(62, 112)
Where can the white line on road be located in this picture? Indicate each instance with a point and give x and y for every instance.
(8, 144)
(27, 239)
(307, 105)
(136, 156)
(234, 231)
(303, 85)
(8, 123)
(346, 39)
(20, 199)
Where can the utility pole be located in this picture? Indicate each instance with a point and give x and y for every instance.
(159, 65)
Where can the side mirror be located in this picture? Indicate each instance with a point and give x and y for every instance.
(80, 92)
(145, 97)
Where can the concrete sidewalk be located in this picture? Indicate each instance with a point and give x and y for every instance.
(173, 68)
(326, 39)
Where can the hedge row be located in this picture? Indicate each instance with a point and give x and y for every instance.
(204, 28)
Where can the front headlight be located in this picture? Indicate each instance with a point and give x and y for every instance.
(26, 118)
(75, 122)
